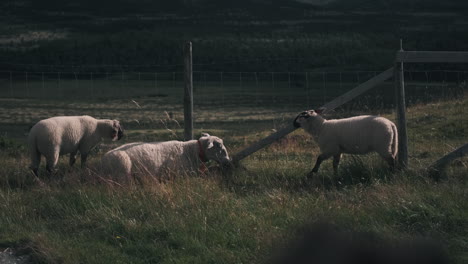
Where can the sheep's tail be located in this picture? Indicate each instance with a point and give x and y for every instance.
(394, 146)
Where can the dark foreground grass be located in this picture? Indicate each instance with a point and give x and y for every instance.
(245, 216)
(206, 220)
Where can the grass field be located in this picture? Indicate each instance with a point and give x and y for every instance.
(242, 217)
(110, 59)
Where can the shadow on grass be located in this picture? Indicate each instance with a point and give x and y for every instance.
(30, 251)
(22, 179)
(359, 171)
(327, 243)
(356, 172)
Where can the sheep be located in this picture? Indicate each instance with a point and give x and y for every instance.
(61, 135)
(354, 135)
(160, 158)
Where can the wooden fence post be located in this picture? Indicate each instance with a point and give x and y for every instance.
(188, 92)
(11, 84)
(415, 57)
(399, 77)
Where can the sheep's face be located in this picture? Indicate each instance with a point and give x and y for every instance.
(308, 115)
(117, 130)
(302, 117)
(215, 149)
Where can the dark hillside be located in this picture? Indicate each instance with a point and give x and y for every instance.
(401, 5)
(246, 35)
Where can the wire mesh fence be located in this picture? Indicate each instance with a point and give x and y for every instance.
(236, 87)
(149, 97)
(282, 90)
(231, 104)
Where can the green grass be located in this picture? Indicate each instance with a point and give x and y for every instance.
(242, 217)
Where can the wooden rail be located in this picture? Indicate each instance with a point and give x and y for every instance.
(358, 90)
(441, 163)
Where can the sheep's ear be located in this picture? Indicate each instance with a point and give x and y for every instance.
(210, 145)
(205, 135)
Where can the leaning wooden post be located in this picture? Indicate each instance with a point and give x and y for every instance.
(401, 113)
(188, 92)
(437, 167)
(263, 143)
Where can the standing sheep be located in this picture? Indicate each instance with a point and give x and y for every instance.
(354, 135)
(159, 158)
(68, 134)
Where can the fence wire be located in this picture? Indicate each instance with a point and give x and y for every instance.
(153, 101)
(245, 95)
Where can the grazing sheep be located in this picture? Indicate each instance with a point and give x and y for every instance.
(68, 134)
(354, 135)
(159, 158)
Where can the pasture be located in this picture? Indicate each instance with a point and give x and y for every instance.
(241, 217)
(108, 59)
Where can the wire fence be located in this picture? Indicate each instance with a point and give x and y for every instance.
(246, 95)
(243, 102)
(227, 88)
(230, 90)
(143, 97)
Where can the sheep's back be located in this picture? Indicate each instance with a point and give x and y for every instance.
(357, 135)
(63, 131)
(154, 156)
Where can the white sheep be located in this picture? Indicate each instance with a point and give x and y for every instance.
(160, 158)
(354, 135)
(61, 135)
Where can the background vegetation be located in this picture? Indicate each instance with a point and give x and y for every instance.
(227, 36)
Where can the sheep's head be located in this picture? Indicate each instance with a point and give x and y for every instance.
(304, 116)
(117, 130)
(214, 149)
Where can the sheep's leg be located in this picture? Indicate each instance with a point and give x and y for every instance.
(320, 159)
(35, 161)
(84, 157)
(336, 162)
(392, 163)
(72, 158)
(52, 161)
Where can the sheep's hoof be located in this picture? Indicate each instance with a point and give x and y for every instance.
(310, 175)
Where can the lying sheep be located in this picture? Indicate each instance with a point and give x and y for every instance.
(68, 134)
(354, 135)
(160, 158)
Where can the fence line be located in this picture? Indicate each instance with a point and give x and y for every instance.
(303, 88)
(374, 72)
